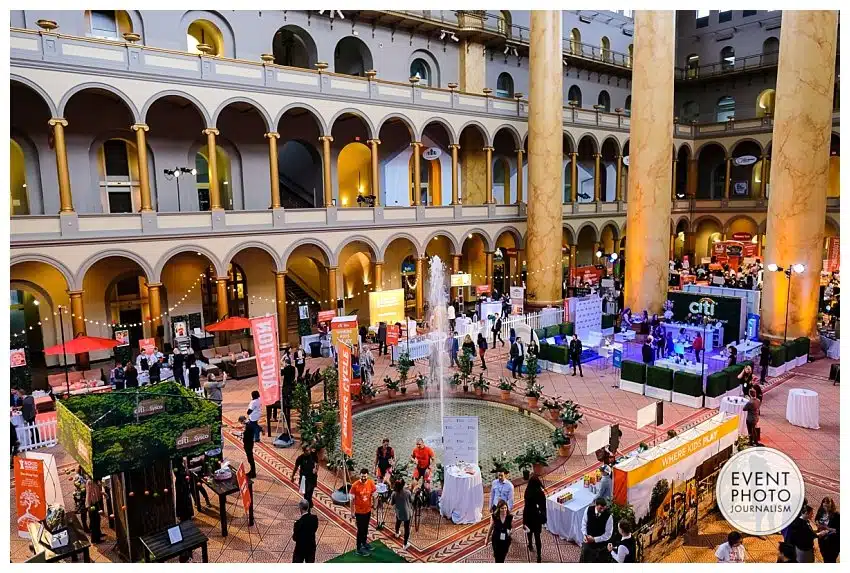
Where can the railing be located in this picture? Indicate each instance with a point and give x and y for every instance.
(596, 53)
(37, 435)
(751, 62)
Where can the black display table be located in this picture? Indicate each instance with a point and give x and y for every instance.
(78, 542)
(158, 546)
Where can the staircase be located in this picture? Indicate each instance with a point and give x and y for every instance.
(295, 293)
(293, 195)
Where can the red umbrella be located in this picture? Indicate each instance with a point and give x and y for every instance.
(232, 323)
(82, 345)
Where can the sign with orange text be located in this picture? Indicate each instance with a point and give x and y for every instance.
(344, 330)
(244, 490)
(392, 334)
(345, 427)
(264, 331)
(833, 255)
(147, 345)
(29, 493)
(326, 315)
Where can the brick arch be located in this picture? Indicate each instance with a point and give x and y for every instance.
(150, 275)
(199, 107)
(253, 245)
(420, 249)
(220, 269)
(456, 248)
(321, 245)
(264, 114)
(70, 281)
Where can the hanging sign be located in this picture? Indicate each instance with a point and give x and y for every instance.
(344, 390)
(743, 236)
(150, 407)
(303, 312)
(123, 337)
(17, 357)
(344, 330)
(746, 160)
(147, 345)
(517, 300)
(326, 316)
(482, 289)
(193, 436)
(462, 280)
(264, 331)
(740, 187)
(431, 153)
(386, 306)
(244, 490)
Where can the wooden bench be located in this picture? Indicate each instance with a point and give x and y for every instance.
(159, 549)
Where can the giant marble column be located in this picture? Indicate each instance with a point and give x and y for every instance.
(545, 155)
(799, 171)
(650, 176)
(78, 325)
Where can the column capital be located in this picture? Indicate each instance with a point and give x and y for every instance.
(57, 121)
(327, 138)
(487, 148)
(332, 268)
(279, 273)
(597, 155)
(379, 262)
(573, 153)
(140, 126)
(75, 293)
(519, 151)
(210, 131)
(675, 160)
(416, 143)
(373, 141)
(154, 285)
(272, 135)
(221, 279)
(454, 145)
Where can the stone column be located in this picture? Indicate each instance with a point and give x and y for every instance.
(326, 170)
(376, 180)
(765, 181)
(222, 308)
(519, 153)
(215, 196)
(78, 324)
(728, 177)
(417, 173)
(420, 288)
(378, 276)
(796, 211)
(649, 161)
(673, 187)
(144, 177)
(280, 299)
(596, 179)
(454, 147)
(573, 256)
(274, 176)
(455, 270)
(618, 188)
(545, 157)
(155, 308)
(332, 288)
(66, 202)
(573, 176)
(488, 269)
(488, 177)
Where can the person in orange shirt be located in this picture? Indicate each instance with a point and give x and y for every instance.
(362, 492)
(423, 456)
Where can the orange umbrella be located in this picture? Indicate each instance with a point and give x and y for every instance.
(82, 345)
(232, 323)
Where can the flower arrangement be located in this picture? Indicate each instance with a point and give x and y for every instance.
(502, 463)
(533, 390)
(506, 384)
(570, 414)
(481, 385)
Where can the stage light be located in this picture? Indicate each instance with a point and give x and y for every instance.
(773, 267)
(798, 268)
(598, 254)
(614, 257)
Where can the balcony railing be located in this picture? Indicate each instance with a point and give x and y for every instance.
(723, 67)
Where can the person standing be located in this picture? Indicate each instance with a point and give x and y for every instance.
(733, 550)
(534, 514)
(177, 360)
(286, 393)
(248, 444)
(802, 535)
(482, 349)
(384, 460)
(193, 372)
(753, 410)
(575, 354)
(29, 413)
(255, 413)
(733, 356)
(79, 497)
(423, 457)
(401, 500)
(367, 365)
(699, 346)
(625, 551)
(497, 331)
(94, 506)
(501, 524)
(517, 357)
(362, 492)
(450, 315)
(183, 491)
(116, 375)
(764, 361)
(827, 519)
(453, 348)
(787, 553)
(382, 339)
(300, 361)
(304, 535)
(597, 526)
(131, 376)
(501, 490)
(647, 353)
(213, 388)
(307, 465)
(468, 346)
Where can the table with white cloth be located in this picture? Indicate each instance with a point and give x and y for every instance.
(831, 346)
(713, 333)
(677, 367)
(748, 349)
(735, 405)
(463, 493)
(803, 408)
(564, 519)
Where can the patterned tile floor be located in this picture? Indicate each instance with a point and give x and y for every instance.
(438, 540)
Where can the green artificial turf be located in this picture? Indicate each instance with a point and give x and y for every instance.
(380, 554)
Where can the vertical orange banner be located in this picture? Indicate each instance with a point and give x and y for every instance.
(344, 355)
(29, 493)
(264, 331)
(244, 490)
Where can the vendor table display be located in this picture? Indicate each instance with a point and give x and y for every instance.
(463, 493)
(803, 408)
(690, 367)
(748, 349)
(565, 510)
(735, 405)
(159, 548)
(222, 488)
(78, 541)
(713, 333)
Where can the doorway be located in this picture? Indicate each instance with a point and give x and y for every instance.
(132, 316)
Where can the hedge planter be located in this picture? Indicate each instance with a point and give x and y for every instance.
(733, 371)
(687, 389)
(659, 383)
(803, 345)
(715, 389)
(777, 361)
(632, 376)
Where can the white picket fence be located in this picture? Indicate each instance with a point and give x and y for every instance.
(37, 435)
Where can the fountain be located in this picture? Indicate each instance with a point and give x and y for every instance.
(438, 361)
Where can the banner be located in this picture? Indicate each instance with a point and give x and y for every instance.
(482, 289)
(326, 316)
(588, 274)
(566, 310)
(726, 309)
(833, 255)
(303, 312)
(461, 280)
(17, 357)
(750, 250)
(392, 334)
(344, 330)
(264, 331)
(588, 315)
(386, 306)
(29, 493)
(460, 439)
(123, 337)
(147, 345)
(244, 490)
(753, 321)
(617, 360)
(345, 427)
(517, 300)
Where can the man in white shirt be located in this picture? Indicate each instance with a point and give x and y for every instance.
(501, 488)
(732, 551)
(597, 525)
(625, 551)
(254, 414)
(450, 315)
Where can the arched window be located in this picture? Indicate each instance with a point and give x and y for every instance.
(204, 32)
(419, 68)
(203, 178)
(765, 102)
(628, 106)
(770, 52)
(725, 109)
(237, 293)
(690, 112)
(692, 66)
(108, 23)
(575, 41)
(574, 95)
(606, 48)
(119, 176)
(504, 23)
(727, 58)
(18, 176)
(604, 101)
(505, 85)
(352, 57)
(294, 47)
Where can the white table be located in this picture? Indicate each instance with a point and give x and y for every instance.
(564, 520)
(625, 336)
(463, 495)
(735, 405)
(803, 408)
(713, 334)
(748, 349)
(831, 346)
(690, 368)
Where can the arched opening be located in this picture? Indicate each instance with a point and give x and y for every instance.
(109, 24)
(29, 114)
(586, 169)
(237, 293)
(241, 124)
(765, 103)
(628, 106)
(299, 161)
(354, 172)
(419, 68)
(202, 178)
(505, 85)
(690, 112)
(631, 55)
(692, 66)
(574, 96)
(474, 258)
(725, 109)
(504, 23)
(294, 47)
(400, 271)
(502, 180)
(608, 170)
(711, 172)
(505, 144)
(624, 172)
(585, 251)
(608, 239)
(575, 42)
(505, 260)
(605, 44)
(473, 166)
(436, 160)
(707, 233)
(742, 229)
(604, 101)
(204, 33)
(352, 57)
(683, 159)
(567, 239)
(118, 168)
(569, 147)
(19, 201)
(746, 179)
(307, 278)
(679, 241)
(770, 51)
(727, 58)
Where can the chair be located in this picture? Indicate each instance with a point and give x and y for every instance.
(75, 377)
(208, 353)
(56, 381)
(235, 348)
(94, 374)
(222, 351)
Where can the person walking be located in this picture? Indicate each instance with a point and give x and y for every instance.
(753, 410)
(450, 315)
(304, 535)
(382, 339)
(699, 347)
(362, 492)
(497, 331)
(516, 353)
(501, 524)
(214, 386)
(286, 393)
(827, 519)
(453, 349)
(255, 413)
(501, 490)
(575, 354)
(468, 346)
(764, 361)
(482, 349)
(625, 551)
(300, 361)
(534, 514)
(307, 465)
(248, 444)
(597, 526)
(401, 500)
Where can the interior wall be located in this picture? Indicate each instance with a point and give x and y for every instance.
(259, 278)
(53, 284)
(473, 160)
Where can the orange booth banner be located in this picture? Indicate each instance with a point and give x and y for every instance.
(264, 331)
(393, 334)
(344, 330)
(30, 496)
(344, 388)
(244, 489)
(833, 255)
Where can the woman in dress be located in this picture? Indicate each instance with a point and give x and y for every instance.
(194, 374)
(482, 349)
(500, 531)
(401, 500)
(534, 514)
(468, 346)
(827, 519)
(131, 376)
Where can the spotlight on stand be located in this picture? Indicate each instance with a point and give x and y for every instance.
(798, 268)
(598, 254)
(614, 257)
(773, 267)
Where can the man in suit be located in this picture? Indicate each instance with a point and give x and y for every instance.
(304, 535)
(647, 352)
(382, 339)
(575, 354)
(517, 356)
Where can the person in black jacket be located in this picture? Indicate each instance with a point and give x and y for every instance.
(155, 372)
(827, 519)
(625, 551)
(575, 354)
(382, 339)
(304, 535)
(500, 531)
(177, 366)
(131, 376)
(534, 514)
(248, 444)
(764, 361)
(193, 369)
(286, 394)
(497, 331)
(802, 535)
(307, 465)
(647, 352)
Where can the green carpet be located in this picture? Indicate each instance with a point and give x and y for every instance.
(380, 554)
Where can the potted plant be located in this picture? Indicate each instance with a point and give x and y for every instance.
(552, 406)
(464, 363)
(454, 382)
(532, 394)
(524, 465)
(404, 365)
(570, 416)
(538, 457)
(622, 511)
(421, 382)
(562, 440)
(367, 393)
(481, 385)
(505, 387)
(392, 386)
(501, 463)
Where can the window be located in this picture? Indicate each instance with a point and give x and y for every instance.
(748, 13)
(505, 85)
(770, 52)
(628, 106)
(606, 48)
(420, 69)
(690, 111)
(574, 95)
(18, 172)
(237, 293)
(204, 32)
(104, 24)
(725, 16)
(119, 175)
(202, 178)
(765, 102)
(604, 101)
(725, 109)
(727, 58)
(692, 66)
(575, 41)
(627, 13)
(631, 55)
(702, 18)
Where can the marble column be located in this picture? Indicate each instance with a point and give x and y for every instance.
(455, 270)
(326, 170)
(454, 147)
(332, 296)
(573, 257)
(488, 269)
(728, 177)
(66, 202)
(155, 308)
(144, 176)
(619, 187)
(519, 183)
(274, 176)
(766, 178)
(280, 300)
(573, 176)
(212, 164)
(673, 187)
(597, 183)
(796, 211)
(649, 201)
(545, 157)
(78, 325)
(488, 177)
(378, 276)
(376, 179)
(222, 308)
(417, 173)
(420, 288)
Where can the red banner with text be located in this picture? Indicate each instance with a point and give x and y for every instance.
(833, 255)
(345, 398)
(29, 492)
(264, 331)
(392, 334)
(244, 490)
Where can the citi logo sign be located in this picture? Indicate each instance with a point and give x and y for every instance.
(703, 306)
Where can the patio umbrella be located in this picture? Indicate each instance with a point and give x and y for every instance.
(82, 345)
(232, 323)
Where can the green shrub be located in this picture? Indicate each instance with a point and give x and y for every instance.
(733, 372)
(659, 377)
(633, 371)
(553, 330)
(567, 328)
(790, 350)
(717, 384)
(777, 356)
(555, 353)
(687, 383)
(803, 345)
(541, 333)
(608, 320)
